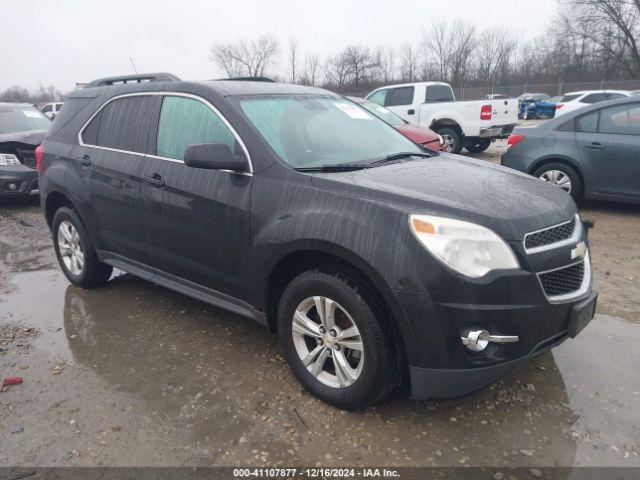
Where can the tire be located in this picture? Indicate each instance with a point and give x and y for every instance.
(452, 137)
(548, 171)
(478, 145)
(89, 273)
(372, 374)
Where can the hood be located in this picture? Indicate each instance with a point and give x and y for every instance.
(32, 137)
(509, 202)
(416, 133)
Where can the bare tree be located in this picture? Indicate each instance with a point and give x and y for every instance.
(612, 25)
(360, 61)
(337, 70)
(311, 69)
(408, 62)
(495, 48)
(450, 46)
(293, 58)
(250, 58)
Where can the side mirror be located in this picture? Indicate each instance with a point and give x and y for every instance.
(213, 156)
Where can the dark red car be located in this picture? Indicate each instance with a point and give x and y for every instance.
(421, 135)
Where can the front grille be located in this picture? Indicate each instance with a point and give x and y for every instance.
(550, 235)
(562, 281)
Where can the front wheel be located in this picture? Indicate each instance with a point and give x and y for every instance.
(75, 252)
(336, 341)
(562, 176)
(452, 138)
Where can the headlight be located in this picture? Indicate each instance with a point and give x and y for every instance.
(9, 160)
(440, 139)
(468, 248)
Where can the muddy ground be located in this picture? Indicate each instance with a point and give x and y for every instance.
(134, 374)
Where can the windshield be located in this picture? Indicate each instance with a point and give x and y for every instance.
(318, 130)
(382, 113)
(22, 119)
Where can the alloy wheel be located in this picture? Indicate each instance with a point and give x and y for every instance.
(449, 141)
(557, 178)
(328, 342)
(70, 247)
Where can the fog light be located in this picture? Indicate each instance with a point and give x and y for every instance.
(12, 186)
(478, 340)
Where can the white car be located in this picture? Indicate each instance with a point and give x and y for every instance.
(574, 100)
(52, 109)
(470, 124)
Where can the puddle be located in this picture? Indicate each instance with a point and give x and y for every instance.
(220, 380)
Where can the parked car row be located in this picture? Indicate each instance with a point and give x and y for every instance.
(22, 129)
(463, 124)
(590, 152)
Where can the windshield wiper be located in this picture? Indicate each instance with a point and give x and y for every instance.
(401, 155)
(341, 167)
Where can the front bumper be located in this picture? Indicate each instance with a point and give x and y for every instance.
(434, 383)
(18, 181)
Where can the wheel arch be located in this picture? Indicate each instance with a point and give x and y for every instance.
(324, 255)
(541, 162)
(53, 201)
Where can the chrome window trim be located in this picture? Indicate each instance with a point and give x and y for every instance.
(585, 286)
(577, 234)
(167, 94)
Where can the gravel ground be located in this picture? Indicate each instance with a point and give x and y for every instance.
(133, 374)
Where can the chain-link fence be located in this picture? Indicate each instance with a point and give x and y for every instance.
(515, 90)
(552, 89)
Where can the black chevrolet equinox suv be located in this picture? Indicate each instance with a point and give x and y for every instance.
(377, 262)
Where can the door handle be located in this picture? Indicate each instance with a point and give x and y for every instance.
(85, 160)
(595, 146)
(154, 180)
(411, 111)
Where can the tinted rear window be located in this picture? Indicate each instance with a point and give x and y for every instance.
(594, 98)
(569, 98)
(399, 96)
(122, 124)
(439, 93)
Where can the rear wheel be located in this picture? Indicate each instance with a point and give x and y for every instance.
(562, 176)
(75, 252)
(452, 138)
(336, 341)
(478, 145)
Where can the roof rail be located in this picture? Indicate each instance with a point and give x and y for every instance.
(249, 79)
(137, 78)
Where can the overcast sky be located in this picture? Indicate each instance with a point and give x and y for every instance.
(61, 42)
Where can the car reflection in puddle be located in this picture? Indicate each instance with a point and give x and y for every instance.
(576, 406)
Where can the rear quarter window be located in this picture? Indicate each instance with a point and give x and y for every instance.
(122, 124)
(399, 96)
(569, 98)
(439, 93)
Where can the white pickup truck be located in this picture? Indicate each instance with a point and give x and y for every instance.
(470, 124)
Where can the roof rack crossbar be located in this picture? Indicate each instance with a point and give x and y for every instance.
(137, 78)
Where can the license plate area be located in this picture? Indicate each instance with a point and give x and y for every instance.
(581, 315)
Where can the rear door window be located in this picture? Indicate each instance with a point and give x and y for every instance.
(399, 96)
(122, 124)
(587, 123)
(621, 119)
(186, 121)
(439, 93)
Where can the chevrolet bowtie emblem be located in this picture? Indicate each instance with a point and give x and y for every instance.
(579, 252)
